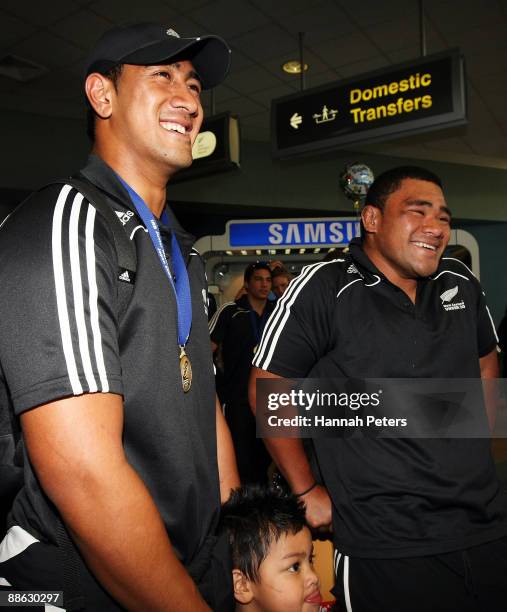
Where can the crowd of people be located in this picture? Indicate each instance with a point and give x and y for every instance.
(131, 495)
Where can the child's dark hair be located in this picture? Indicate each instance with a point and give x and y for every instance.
(255, 517)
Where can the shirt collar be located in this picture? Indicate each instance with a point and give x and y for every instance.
(364, 264)
(369, 269)
(104, 177)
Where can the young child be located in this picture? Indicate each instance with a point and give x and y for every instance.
(271, 552)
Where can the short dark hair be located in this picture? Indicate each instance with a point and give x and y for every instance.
(279, 271)
(389, 181)
(254, 517)
(258, 265)
(114, 75)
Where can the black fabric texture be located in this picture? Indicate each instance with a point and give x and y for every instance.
(392, 497)
(470, 580)
(169, 436)
(235, 335)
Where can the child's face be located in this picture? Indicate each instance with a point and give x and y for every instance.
(287, 582)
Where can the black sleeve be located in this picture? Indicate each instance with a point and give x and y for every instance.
(486, 333)
(298, 331)
(502, 334)
(220, 321)
(58, 273)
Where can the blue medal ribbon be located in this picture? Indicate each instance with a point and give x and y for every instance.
(180, 285)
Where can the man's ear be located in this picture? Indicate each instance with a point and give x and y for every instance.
(242, 587)
(99, 91)
(371, 216)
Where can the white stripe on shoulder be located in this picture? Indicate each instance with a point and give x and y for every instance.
(61, 297)
(77, 289)
(493, 326)
(2, 224)
(93, 298)
(214, 318)
(276, 314)
(137, 227)
(449, 272)
(375, 283)
(461, 262)
(3, 581)
(357, 280)
(16, 540)
(281, 313)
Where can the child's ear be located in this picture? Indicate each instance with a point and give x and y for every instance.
(242, 587)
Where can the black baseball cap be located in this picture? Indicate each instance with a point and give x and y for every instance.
(143, 44)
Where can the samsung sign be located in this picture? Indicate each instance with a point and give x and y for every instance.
(418, 96)
(292, 233)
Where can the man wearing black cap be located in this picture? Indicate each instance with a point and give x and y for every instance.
(125, 449)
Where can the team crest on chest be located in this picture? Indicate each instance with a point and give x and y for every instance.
(447, 298)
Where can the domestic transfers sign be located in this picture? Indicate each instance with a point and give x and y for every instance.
(275, 233)
(418, 96)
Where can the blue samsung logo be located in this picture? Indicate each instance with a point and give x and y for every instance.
(293, 233)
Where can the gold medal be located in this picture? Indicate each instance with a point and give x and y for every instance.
(186, 370)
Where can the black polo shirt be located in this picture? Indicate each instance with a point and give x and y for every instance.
(392, 497)
(237, 329)
(60, 336)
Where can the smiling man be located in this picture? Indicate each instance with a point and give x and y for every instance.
(125, 448)
(418, 524)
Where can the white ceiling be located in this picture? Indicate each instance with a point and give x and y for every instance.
(342, 38)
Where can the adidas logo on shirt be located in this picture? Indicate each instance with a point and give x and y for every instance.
(124, 217)
(126, 277)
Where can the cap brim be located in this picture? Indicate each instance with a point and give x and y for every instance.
(210, 56)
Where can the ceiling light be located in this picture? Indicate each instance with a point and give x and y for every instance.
(293, 67)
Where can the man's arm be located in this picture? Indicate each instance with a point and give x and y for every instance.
(489, 365)
(490, 372)
(75, 446)
(227, 468)
(291, 460)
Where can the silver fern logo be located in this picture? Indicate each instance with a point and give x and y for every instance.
(448, 296)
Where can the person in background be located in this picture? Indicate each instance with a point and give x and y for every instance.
(281, 278)
(235, 332)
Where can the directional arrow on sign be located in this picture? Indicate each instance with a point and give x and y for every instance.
(296, 121)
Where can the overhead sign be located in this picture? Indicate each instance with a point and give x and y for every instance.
(292, 232)
(418, 96)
